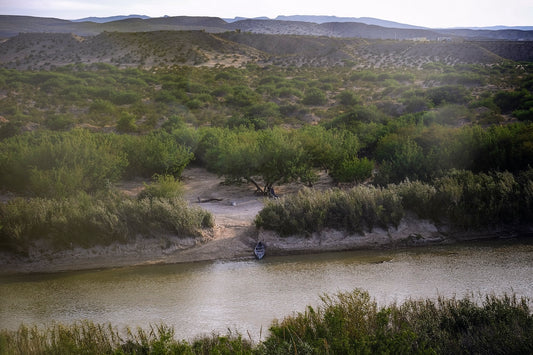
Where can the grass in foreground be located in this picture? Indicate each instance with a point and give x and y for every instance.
(347, 323)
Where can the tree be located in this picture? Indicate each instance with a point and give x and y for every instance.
(271, 155)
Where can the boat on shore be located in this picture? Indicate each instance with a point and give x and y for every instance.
(259, 250)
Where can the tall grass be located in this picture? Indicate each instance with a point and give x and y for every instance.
(88, 220)
(344, 323)
(352, 323)
(461, 199)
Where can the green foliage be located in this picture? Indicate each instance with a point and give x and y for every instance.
(327, 149)
(461, 199)
(86, 337)
(163, 186)
(348, 98)
(271, 155)
(314, 96)
(401, 157)
(509, 101)
(425, 153)
(156, 153)
(58, 122)
(352, 322)
(126, 123)
(451, 94)
(59, 164)
(358, 114)
(358, 210)
(353, 170)
(476, 200)
(87, 220)
(344, 323)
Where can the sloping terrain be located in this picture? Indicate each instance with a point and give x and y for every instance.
(126, 49)
(167, 48)
(367, 28)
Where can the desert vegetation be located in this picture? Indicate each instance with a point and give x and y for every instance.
(455, 137)
(461, 199)
(349, 322)
(441, 131)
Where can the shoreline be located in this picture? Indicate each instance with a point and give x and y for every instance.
(237, 242)
(234, 236)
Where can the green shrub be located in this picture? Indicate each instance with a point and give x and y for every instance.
(348, 98)
(126, 123)
(163, 186)
(156, 153)
(84, 220)
(359, 209)
(314, 96)
(352, 322)
(461, 199)
(353, 170)
(59, 163)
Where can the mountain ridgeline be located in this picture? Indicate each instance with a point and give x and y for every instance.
(297, 25)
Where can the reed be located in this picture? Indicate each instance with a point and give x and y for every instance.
(344, 323)
(352, 322)
(461, 199)
(88, 220)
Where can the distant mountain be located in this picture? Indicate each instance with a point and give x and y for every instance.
(365, 20)
(496, 28)
(510, 34)
(230, 20)
(342, 28)
(110, 18)
(13, 25)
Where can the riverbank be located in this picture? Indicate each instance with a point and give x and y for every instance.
(234, 208)
(236, 242)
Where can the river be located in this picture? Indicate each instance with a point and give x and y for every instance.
(245, 296)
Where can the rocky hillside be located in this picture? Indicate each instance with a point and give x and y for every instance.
(166, 48)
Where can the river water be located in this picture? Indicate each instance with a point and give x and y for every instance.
(245, 296)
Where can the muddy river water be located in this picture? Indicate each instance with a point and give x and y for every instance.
(246, 295)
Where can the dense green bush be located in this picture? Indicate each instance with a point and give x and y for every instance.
(163, 186)
(353, 170)
(271, 155)
(461, 199)
(88, 220)
(155, 153)
(59, 163)
(352, 322)
(89, 338)
(359, 209)
(314, 96)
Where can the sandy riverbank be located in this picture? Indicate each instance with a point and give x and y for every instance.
(233, 237)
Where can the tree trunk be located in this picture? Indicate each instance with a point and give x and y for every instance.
(259, 189)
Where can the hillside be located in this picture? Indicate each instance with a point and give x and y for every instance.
(166, 48)
(127, 49)
(294, 25)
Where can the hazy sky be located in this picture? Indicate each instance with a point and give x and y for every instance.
(441, 13)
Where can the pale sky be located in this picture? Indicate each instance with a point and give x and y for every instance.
(428, 13)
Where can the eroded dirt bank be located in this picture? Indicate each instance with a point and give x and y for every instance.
(233, 237)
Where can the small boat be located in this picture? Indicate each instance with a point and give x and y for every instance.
(259, 250)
